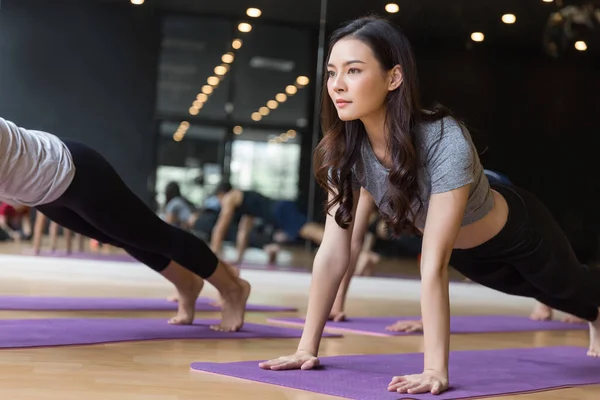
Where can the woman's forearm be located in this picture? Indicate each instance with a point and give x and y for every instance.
(435, 311)
(340, 299)
(328, 270)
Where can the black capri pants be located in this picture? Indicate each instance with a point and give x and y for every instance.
(99, 205)
(532, 257)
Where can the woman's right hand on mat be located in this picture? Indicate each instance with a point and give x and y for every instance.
(299, 360)
(406, 326)
(429, 381)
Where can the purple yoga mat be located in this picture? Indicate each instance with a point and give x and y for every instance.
(375, 326)
(112, 304)
(78, 331)
(365, 377)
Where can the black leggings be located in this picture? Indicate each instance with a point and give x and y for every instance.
(99, 205)
(532, 257)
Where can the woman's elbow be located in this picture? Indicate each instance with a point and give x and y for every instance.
(329, 258)
(433, 272)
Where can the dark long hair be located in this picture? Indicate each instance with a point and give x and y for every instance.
(339, 149)
(172, 190)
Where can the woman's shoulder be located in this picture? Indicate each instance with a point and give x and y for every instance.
(175, 203)
(444, 134)
(445, 127)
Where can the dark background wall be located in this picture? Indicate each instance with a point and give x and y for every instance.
(84, 71)
(533, 118)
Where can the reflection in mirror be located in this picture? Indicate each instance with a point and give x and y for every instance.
(267, 162)
(192, 161)
(235, 100)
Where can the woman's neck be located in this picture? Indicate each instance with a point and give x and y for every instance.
(375, 126)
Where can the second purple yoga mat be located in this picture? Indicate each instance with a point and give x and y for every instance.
(78, 331)
(375, 326)
(39, 303)
(365, 377)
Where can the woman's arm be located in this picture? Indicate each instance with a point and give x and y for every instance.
(38, 232)
(330, 264)
(244, 228)
(444, 217)
(226, 215)
(361, 226)
(446, 211)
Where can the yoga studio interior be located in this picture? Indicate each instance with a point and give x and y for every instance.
(213, 114)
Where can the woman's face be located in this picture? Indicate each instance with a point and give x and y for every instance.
(357, 83)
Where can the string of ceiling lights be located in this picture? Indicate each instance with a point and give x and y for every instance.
(284, 137)
(290, 90)
(220, 71)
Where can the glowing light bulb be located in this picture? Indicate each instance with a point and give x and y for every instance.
(253, 12)
(509, 18)
(244, 27)
(392, 8)
(477, 37)
(580, 45)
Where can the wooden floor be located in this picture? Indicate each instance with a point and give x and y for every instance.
(159, 370)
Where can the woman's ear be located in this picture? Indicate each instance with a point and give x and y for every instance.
(395, 78)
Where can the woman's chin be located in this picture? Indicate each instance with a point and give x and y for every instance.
(346, 116)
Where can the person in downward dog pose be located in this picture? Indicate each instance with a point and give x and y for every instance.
(285, 216)
(74, 186)
(422, 170)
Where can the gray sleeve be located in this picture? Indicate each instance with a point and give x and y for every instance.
(450, 160)
(354, 181)
(174, 206)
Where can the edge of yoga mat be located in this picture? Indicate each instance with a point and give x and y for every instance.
(119, 330)
(17, 303)
(400, 396)
(299, 322)
(512, 392)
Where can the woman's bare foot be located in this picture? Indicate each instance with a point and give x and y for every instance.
(406, 326)
(234, 308)
(594, 350)
(186, 303)
(337, 316)
(541, 312)
(571, 319)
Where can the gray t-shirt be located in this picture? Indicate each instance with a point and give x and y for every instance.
(35, 167)
(447, 163)
(182, 210)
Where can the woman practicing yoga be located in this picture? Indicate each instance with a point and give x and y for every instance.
(422, 170)
(178, 210)
(290, 223)
(78, 189)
